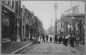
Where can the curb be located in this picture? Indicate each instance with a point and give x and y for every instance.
(21, 48)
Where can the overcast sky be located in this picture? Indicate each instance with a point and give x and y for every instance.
(45, 10)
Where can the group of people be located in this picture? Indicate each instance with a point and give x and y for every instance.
(46, 38)
(72, 40)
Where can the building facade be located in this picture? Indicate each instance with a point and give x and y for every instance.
(31, 25)
(73, 23)
(18, 23)
(9, 19)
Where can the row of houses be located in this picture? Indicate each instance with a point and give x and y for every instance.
(18, 23)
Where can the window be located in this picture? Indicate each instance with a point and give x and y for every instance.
(8, 2)
(4, 1)
(12, 4)
(5, 20)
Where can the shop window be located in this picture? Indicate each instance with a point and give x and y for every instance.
(5, 20)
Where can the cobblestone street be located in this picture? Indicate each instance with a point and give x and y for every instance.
(49, 49)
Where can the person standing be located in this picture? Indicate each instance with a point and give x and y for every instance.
(43, 37)
(66, 40)
(77, 41)
(72, 41)
(51, 39)
(47, 38)
(55, 39)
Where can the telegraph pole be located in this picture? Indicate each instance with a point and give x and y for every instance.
(51, 26)
(55, 18)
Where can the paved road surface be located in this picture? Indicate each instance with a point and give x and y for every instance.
(49, 49)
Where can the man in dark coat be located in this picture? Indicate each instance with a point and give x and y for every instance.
(43, 37)
(47, 38)
(55, 39)
(51, 39)
(72, 41)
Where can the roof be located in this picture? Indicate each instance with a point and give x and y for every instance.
(75, 15)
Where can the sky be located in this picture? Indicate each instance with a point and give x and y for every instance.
(45, 10)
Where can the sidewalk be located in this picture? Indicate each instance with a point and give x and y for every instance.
(13, 46)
